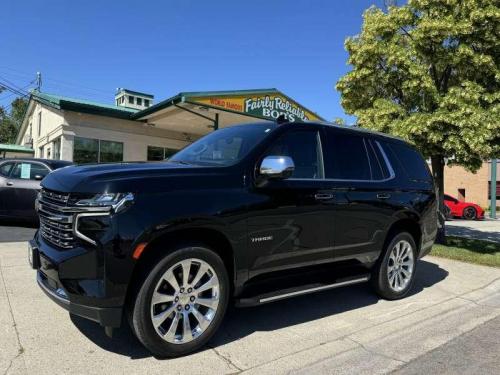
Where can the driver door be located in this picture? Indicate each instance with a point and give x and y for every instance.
(289, 224)
(22, 187)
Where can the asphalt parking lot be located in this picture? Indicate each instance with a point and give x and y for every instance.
(346, 330)
(16, 231)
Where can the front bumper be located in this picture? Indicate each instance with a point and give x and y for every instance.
(105, 316)
(82, 293)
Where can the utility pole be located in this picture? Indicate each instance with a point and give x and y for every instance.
(38, 81)
(493, 189)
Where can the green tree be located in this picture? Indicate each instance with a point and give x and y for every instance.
(10, 122)
(339, 121)
(428, 72)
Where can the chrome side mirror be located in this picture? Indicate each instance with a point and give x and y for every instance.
(277, 167)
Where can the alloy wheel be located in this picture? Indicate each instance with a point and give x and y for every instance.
(400, 266)
(470, 213)
(185, 301)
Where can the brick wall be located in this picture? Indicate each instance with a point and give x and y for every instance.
(475, 184)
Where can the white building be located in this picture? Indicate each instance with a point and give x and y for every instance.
(135, 129)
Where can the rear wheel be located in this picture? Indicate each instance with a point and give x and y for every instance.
(394, 273)
(182, 302)
(469, 213)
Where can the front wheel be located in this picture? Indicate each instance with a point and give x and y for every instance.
(394, 273)
(469, 213)
(182, 302)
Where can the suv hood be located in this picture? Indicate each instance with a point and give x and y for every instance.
(123, 177)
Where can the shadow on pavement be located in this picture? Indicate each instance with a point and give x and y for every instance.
(24, 223)
(473, 233)
(240, 323)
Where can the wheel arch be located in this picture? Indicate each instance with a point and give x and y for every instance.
(405, 225)
(164, 243)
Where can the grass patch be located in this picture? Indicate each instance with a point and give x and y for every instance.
(469, 250)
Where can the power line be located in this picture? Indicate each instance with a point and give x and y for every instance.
(11, 86)
(23, 88)
(61, 82)
(14, 90)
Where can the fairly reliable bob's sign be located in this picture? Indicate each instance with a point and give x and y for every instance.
(263, 105)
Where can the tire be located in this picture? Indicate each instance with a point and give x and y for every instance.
(469, 213)
(171, 306)
(385, 284)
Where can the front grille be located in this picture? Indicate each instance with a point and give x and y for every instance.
(59, 217)
(56, 219)
(55, 197)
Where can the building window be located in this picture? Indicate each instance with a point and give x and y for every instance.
(146, 102)
(40, 152)
(131, 99)
(155, 153)
(110, 152)
(39, 123)
(87, 150)
(48, 153)
(56, 146)
(138, 101)
(498, 190)
(160, 153)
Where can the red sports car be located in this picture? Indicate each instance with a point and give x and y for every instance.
(466, 210)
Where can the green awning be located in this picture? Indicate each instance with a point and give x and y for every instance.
(15, 148)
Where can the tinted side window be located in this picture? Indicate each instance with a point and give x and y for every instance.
(412, 162)
(346, 157)
(450, 199)
(5, 169)
(28, 171)
(304, 148)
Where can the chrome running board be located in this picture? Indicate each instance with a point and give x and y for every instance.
(299, 291)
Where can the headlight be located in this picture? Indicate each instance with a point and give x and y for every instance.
(117, 201)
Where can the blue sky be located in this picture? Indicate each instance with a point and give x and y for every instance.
(87, 49)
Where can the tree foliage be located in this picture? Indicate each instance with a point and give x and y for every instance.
(338, 121)
(429, 72)
(11, 121)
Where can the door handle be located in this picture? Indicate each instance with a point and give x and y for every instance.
(383, 196)
(9, 183)
(323, 196)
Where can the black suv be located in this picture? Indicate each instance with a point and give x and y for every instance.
(254, 213)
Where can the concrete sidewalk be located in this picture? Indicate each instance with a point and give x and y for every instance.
(487, 229)
(346, 330)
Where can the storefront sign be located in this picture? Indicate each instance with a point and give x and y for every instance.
(269, 106)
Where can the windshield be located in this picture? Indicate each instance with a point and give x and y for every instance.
(225, 146)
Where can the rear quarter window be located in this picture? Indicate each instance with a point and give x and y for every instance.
(411, 161)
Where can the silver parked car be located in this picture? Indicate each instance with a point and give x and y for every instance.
(20, 183)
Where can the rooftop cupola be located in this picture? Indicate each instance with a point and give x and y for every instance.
(133, 99)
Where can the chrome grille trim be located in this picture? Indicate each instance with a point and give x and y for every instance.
(49, 195)
(59, 219)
